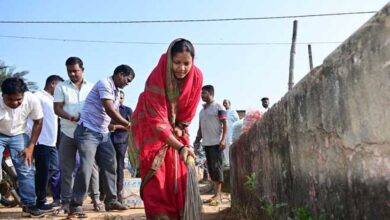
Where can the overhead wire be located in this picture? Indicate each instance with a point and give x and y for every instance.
(187, 20)
(177, 21)
(165, 43)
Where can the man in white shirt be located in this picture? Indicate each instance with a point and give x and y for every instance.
(16, 106)
(69, 99)
(45, 152)
(232, 117)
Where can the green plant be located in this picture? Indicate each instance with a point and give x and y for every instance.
(266, 204)
(269, 208)
(304, 213)
(250, 182)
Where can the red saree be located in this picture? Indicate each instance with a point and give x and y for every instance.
(164, 103)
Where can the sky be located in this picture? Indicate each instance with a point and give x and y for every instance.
(241, 73)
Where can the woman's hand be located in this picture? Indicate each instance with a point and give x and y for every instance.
(178, 132)
(185, 152)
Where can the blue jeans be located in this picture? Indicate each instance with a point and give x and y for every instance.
(25, 173)
(93, 145)
(46, 159)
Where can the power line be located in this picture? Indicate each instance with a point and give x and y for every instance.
(164, 43)
(188, 20)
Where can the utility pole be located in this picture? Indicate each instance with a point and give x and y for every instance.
(292, 54)
(310, 57)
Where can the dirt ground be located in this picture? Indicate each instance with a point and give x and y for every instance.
(209, 212)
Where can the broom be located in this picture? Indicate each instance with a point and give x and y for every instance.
(193, 203)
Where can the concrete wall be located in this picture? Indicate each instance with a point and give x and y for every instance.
(326, 144)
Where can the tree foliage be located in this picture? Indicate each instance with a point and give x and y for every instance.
(7, 72)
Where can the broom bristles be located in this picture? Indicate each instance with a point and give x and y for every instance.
(193, 203)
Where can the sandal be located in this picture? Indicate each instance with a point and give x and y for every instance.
(211, 199)
(76, 212)
(207, 201)
(61, 211)
(98, 207)
(77, 215)
(214, 202)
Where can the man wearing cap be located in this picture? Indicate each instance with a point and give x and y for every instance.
(265, 104)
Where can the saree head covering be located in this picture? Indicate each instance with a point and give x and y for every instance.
(165, 103)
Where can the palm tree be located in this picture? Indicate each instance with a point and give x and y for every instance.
(7, 72)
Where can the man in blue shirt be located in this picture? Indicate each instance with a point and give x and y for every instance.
(93, 139)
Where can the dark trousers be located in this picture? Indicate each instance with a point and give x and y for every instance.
(55, 179)
(120, 158)
(214, 162)
(120, 151)
(46, 160)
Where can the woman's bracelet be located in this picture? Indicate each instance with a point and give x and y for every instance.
(181, 148)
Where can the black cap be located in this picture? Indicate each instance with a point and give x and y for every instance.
(264, 98)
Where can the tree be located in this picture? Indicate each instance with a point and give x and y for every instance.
(7, 72)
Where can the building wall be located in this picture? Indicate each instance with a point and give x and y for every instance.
(326, 144)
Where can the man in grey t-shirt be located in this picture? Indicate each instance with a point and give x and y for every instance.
(213, 132)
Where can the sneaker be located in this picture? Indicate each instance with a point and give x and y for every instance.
(33, 212)
(115, 206)
(55, 203)
(5, 202)
(45, 208)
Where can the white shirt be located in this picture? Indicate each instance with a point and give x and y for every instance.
(73, 100)
(237, 129)
(48, 134)
(14, 121)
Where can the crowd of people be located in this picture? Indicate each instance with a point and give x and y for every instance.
(89, 152)
(84, 153)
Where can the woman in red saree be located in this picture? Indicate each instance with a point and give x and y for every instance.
(159, 129)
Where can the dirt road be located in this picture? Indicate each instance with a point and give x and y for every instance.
(209, 212)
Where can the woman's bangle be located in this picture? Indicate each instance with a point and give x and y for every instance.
(181, 148)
